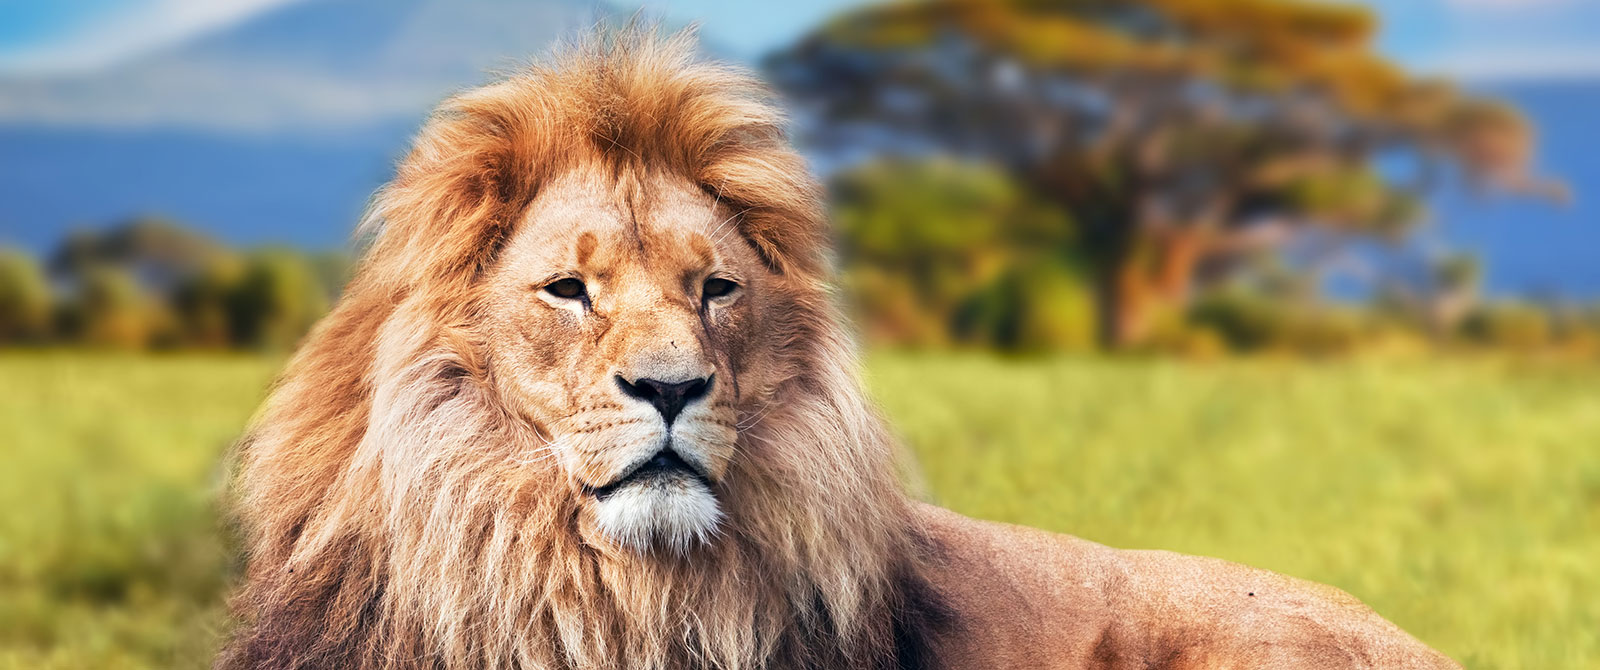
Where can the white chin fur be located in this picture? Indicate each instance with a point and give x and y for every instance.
(676, 513)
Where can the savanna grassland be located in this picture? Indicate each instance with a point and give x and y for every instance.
(1460, 498)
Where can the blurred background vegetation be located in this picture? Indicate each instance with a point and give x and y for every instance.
(150, 284)
(1158, 273)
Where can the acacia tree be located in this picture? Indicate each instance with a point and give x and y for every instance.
(1180, 134)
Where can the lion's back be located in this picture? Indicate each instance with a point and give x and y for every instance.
(1026, 598)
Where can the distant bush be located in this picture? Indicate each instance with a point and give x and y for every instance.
(151, 283)
(25, 301)
(1508, 325)
(933, 254)
(277, 300)
(1242, 321)
(111, 310)
(1248, 322)
(938, 253)
(203, 303)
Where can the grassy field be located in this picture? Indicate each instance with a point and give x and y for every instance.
(1461, 498)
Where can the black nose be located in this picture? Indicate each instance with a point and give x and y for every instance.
(668, 398)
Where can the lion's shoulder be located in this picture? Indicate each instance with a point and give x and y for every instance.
(1022, 597)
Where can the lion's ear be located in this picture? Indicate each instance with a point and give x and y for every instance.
(471, 170)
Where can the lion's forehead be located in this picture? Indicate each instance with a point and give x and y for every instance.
(605, 226)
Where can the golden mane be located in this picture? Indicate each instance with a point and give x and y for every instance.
(392, 518)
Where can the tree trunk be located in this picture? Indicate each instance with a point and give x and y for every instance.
(1178, 256)
(1135, 279)
(1119, 298)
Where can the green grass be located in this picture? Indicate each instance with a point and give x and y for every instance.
(1460, 498)
(111, 555)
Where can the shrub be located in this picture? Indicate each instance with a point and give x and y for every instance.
(942, 252)
(1509, 325)
(1249, 322)
(276, 301)
(25, 300)
(111, 310)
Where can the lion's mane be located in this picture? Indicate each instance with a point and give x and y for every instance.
(398, 514)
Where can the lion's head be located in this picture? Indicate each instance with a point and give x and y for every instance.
(586, 403)
(630, 324)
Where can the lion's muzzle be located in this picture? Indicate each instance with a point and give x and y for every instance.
(664, 500)
(664, 465)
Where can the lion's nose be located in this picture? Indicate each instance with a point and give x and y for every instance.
(669, 398)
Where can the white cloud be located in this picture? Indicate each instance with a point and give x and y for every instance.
(140, 28)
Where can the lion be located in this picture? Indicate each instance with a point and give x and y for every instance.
(588, 403)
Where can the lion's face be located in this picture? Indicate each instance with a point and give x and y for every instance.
(620, 317)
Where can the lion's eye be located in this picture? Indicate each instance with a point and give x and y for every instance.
(717, 287)
(569, 288)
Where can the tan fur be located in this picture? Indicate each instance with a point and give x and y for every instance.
(419, 490)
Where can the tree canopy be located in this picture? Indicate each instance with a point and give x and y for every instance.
(1181, 135)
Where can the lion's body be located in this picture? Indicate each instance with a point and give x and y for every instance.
(1029, 599)
(587, 404)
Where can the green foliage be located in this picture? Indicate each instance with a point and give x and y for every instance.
(1177, 133)
(110, 309)
(277, 300)
(1038, 305)
(24, 299)
(942, 252)
(1248, 321)
(1508, 325)
(1457, 497)
(1356, 200)
(151, 283)
(203, 302)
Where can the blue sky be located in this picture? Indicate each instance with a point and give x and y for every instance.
(1474, 38)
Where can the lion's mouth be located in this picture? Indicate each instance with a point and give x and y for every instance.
(666, 465)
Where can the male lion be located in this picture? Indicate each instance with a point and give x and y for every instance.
(587, 404)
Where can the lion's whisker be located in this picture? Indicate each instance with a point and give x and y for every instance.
(718, 228)
(731, 230)
(755, 419)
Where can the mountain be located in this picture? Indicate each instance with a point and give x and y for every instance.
(273, 131)
(321, 65)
